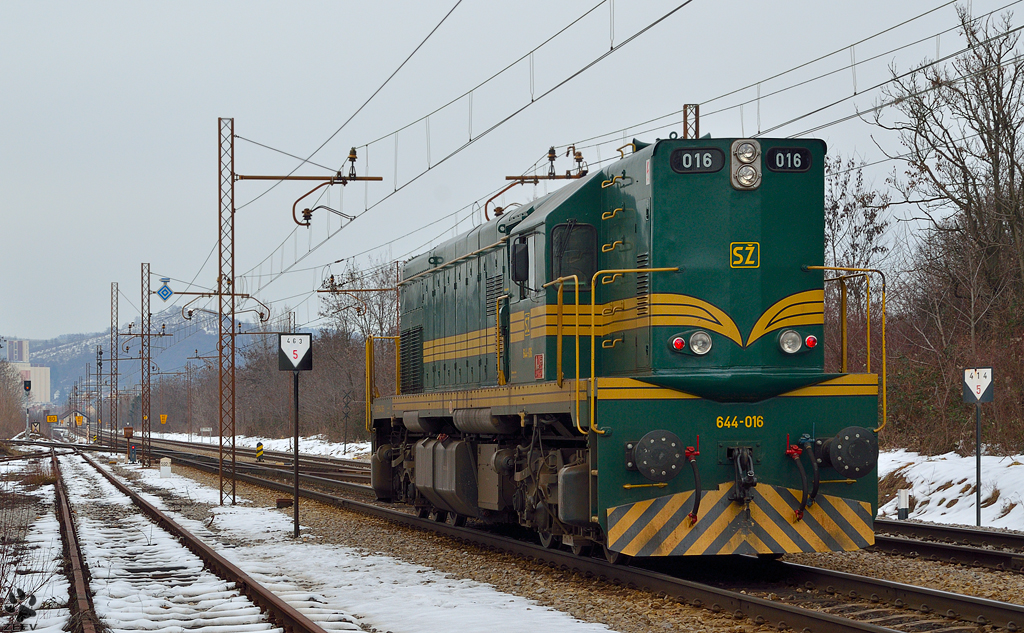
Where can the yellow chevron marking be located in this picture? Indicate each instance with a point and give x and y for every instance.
(671, 310)
(680, 532)
(711, 532)
(802, 308)
(778, 532)
(693, 312)
(615, 532)
(801, 527)
(858, 523)
(784, 533)
(651, 529)
(741, 537)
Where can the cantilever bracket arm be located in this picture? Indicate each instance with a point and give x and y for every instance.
(531, 179)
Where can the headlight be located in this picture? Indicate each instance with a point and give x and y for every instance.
(746, 153)
(790, 342)
(745, 171)
(700, 343)
(746, 176)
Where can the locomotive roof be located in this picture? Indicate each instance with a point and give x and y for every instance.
(510, 222)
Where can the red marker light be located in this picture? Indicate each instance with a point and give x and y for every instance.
(678, 343)
(811, 341)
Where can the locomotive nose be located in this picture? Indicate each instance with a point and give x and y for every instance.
(853, 451)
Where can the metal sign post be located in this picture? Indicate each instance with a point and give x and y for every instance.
(978, 389)
(295, 354)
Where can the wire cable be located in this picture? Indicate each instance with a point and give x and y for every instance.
(358, 110)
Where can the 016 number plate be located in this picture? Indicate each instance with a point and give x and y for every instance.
(792, 159)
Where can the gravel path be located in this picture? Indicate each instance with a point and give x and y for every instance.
(622, 609)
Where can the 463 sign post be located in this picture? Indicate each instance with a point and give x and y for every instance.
(295, 354)
(978, 389)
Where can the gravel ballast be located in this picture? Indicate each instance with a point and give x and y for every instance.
(620, 608)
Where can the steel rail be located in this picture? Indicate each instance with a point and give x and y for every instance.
(942, 603)
(278, 611)
(196, 461)
(958, 534)
(343, 462)
(759, 610)
(83, 615)
(997, 559)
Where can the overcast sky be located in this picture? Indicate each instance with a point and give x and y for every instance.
(108, 121)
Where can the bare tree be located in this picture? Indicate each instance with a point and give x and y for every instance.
(959, 290)
(961, 126)
(12, 401)
(363, 302)
(855, 234)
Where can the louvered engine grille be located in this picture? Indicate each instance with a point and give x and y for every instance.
(411, 343)
(643, 284)
(494, 290)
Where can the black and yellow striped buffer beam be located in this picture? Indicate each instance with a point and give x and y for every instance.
(660, 527)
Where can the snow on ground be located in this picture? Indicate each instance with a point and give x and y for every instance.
(38, 572)
(314, 445)
(943, 488)
(142, 578)
(368, 587)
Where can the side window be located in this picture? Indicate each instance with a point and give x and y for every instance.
(527, 263)
(574, 251)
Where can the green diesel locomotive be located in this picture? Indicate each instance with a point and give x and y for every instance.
(635, 362)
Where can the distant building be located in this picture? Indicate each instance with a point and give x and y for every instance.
(40, 377)
(17, 351)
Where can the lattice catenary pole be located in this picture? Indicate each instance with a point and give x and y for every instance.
(226, 303)
(114, 345)
(146, 357)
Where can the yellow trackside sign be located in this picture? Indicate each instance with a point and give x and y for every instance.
(51, 419)
(163, 418)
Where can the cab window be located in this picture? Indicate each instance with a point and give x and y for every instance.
(574, 251)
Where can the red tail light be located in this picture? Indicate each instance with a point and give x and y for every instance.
(811, 340)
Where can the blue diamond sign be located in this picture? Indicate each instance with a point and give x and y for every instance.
(165, 291)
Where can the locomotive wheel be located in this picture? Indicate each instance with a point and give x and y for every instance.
(615, 558)
(457, 520)
(438, 516)
(581, 549)
(548, 540)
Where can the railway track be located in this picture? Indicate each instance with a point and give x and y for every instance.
(803, 598)
(1001, 551)
(859, 603)
(146, 576)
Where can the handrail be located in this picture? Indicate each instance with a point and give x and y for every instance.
(842, 323)
(457, 259)
(576, 386)
(592, 396)
(885, 410)
(368, 384)
(371, 375)
(497, 337)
